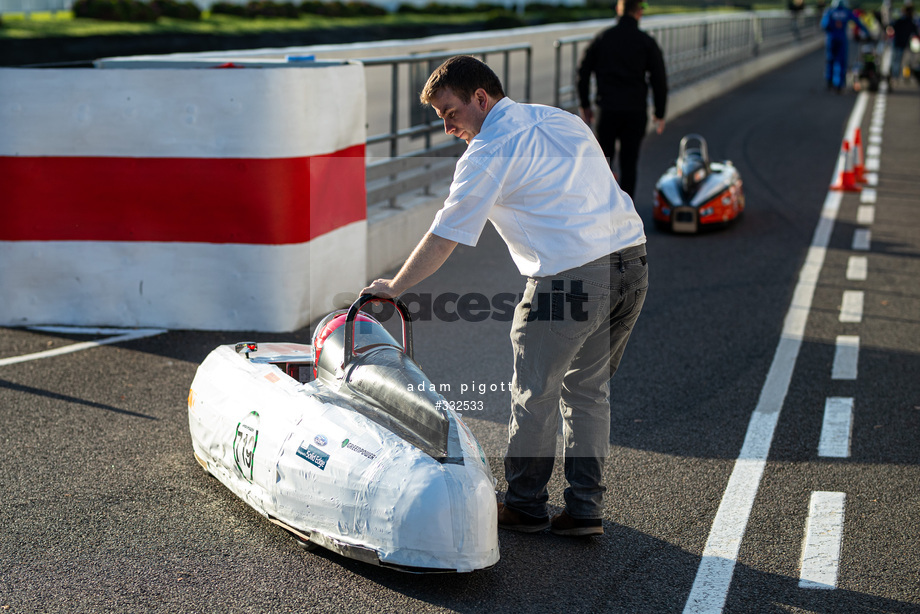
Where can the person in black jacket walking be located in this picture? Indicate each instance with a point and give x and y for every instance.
(904, 29)
(624, 61)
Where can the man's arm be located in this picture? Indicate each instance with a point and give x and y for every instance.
(658, 77)
(583, 85)
(427, 257)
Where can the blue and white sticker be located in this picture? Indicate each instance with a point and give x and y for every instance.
(314, 456)
(320, 440)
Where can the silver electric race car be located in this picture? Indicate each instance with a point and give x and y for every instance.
(347, 445)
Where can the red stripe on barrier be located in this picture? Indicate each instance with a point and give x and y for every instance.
(271, 201)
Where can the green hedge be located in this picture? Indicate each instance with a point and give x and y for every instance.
(177, 10)
(135, 10)
(150, 10)
(268, 8)
(342, 9)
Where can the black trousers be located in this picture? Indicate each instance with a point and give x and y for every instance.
(627, 127)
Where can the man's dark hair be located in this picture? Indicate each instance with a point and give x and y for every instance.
(463, 75)
(631, 6)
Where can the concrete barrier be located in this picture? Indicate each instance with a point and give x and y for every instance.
(181, 197)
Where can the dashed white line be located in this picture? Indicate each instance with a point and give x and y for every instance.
(868, 195)
(874, 151)
(126, 335)
(865, 214)
(713, 578)
(720, 555)
(836, 428)
(862, 239)
(872, 179)
(846, 357)
(851, 306)
(823, 536)
(857, 268)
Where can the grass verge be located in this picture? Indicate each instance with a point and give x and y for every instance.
(63, 24)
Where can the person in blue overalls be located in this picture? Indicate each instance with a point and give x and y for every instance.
(835, 22)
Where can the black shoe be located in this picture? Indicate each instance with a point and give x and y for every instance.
(563, 524)
(514, 520)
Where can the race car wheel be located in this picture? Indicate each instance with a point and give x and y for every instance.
(305, 544)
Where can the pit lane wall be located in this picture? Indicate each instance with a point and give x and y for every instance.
(202, 196)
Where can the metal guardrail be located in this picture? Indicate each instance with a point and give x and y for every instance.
(423, 167)
(694, 50)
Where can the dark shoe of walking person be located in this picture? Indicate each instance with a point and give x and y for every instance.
(563, 524)
(514, 520)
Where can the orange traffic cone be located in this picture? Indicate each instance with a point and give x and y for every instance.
(859, 167)
(847, 180)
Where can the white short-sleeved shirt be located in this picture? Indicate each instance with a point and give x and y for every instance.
(538, 174)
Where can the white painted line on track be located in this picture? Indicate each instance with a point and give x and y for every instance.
(872, 179)
(865, 214)
(83, 330)
(868, 195)
(875, 139)
(126, 335)
(862, 239)
(872, 164)
(851, 306)
(823, 536)
(720, 555)
(846, 357)
(857, 268)
(874, 150)
(836, 428)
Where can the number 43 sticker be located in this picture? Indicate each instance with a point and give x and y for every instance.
(244, 444)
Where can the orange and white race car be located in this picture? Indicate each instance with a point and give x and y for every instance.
(697, 193)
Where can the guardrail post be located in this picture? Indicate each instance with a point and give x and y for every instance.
(557, 73)
(394, 119)
(528, 79)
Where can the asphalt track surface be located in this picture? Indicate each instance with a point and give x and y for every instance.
(105, 509)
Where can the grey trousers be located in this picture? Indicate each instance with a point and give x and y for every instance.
(568, 336)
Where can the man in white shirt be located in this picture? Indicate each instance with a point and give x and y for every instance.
(538, 174)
